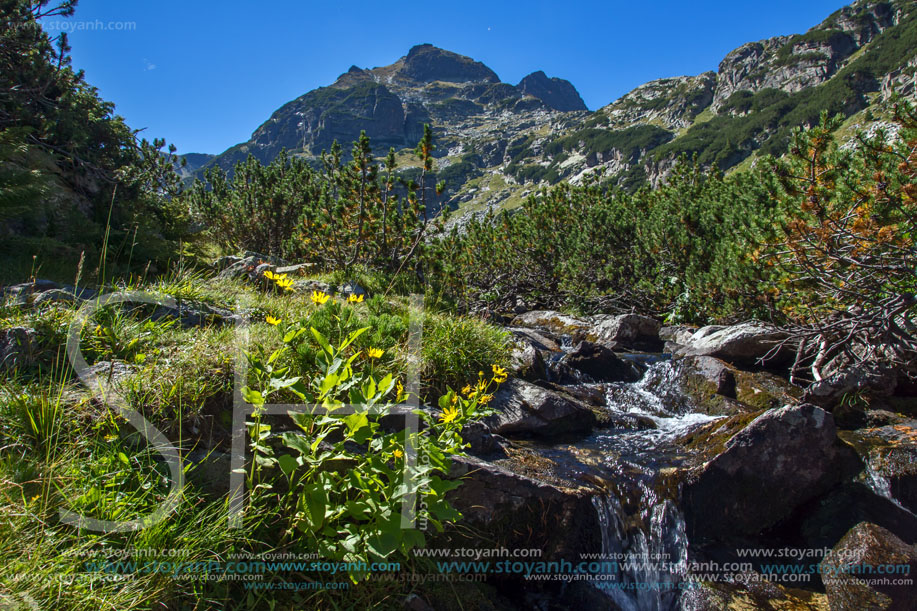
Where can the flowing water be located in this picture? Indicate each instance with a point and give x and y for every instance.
(644, 547)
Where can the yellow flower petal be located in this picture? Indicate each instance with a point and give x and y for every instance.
(272, 321)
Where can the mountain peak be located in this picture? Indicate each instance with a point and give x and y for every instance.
(426, 63)
(556, 93)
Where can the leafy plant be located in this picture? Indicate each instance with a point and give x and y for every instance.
(340, 479)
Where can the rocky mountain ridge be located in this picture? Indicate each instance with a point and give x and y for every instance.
(497, 142)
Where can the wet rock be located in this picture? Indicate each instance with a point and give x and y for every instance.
(717, 388)
(755, 593)
(601, 364)
(747, 343)
(890, 455)
(528, 410)
(505, 509)
(782, 459)
(854, 571)
(482, 442)
(628, 330)
(18, 347)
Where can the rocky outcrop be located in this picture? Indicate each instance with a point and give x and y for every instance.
(427, 63)
(631, 331)
(748, 343)
(890, 455)
(717, 388)
(556, 93)
(856, 572)
(524, 409)
(505, 509)
(782, 459)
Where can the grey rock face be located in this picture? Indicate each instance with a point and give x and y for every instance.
(745, 343)
(513, 511)
(528, 410)
(782, 459)
(556, 93)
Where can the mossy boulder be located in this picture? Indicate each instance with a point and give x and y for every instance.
(890, 453)
(782, 459)
(854, 572)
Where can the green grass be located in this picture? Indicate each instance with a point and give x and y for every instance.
(61, 450)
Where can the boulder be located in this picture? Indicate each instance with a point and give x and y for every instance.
(674, 337)
(716, 388)
(601, 364)
(825, 520)
(194, 314)
(748, 343)
(18, 347)
(522, 408)
(782, 459)
(870, 568)
(30, 294)
(501, 508)
(890, 455)
(526, 361)
(627, 330)
(838, 392)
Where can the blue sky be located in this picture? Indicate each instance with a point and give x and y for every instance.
(204, 75)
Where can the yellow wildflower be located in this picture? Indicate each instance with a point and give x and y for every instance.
(352, 298)
(270, 275)
(319, 297)
(485, 399)
(500, 374)
(272, 321)
(398, 453)
(399, 387)
(374, 353)
(467, 390)
(450, 414)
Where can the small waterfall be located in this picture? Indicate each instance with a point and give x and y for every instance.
(646, 563)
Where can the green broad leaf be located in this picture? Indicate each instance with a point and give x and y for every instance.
(252, 396)
(281, 383)
(265, 461)
(445, 401)
(123, 458)
(328, 383)
(287, 464)
(355, 422)
(386, 384)
(413, 538)
(385, 542)
(293, 335)
(369, 388)
(316, 502)
(297, 442)
(353, 336)
(322, 341)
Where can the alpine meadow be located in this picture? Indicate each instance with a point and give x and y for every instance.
(429, 340)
